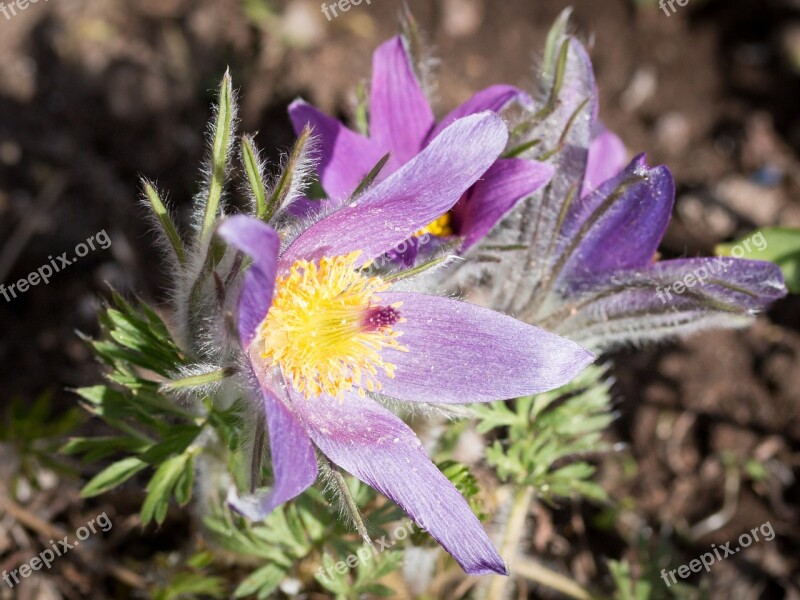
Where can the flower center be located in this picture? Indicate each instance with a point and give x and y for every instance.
(441, 227)
(326, 327)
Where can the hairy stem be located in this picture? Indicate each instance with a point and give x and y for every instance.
(523, 567)
(533, 571)
(514, 530)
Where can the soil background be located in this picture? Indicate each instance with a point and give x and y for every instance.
(95, 94)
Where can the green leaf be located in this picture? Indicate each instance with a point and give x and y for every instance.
(112, 476)
(330, 579)
(177, 440)
(389, 562)
(220, 150)
(560, 73)
(371, 176)
(251, 159)
(555, 38)
(114, 407)
(185, 484)
(378, 589)
(166, 222)
(159, 490)
(546, 437)
(627, 587)
(520, 150)
(414, 43)
(362, 110)
(775, 244)
(98, 448)
(465, 482)
(189, 586)
(263, 582)
(289, 175)
(199, 380)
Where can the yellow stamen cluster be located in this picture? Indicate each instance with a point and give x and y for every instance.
(323, 331)
(441, 227)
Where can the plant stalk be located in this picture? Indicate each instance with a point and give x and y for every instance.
(524, 567)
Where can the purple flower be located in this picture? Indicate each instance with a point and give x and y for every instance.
(580, 255)
(606, 158)
(402, 125)
(324, 339)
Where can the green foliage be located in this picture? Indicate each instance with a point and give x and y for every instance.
(305, 530)
(465, 482)
(544, 437)
(151, 430)
(259, 12)
(193, 582)
(628, 588)
(34, 433)
(174, 477)
(165, 221)
(370, 178)
(133, 338)
(365, 580)
(653, 557)
(220, 153)
(159, 439)
(362, 110)
(780, 245)
(290, 177)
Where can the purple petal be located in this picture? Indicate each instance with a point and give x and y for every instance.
(259, 241)
(375, 446)
(494, 98)
(420, 192)
(346, 157)
(507, 182)
(607, 158)
(294, 462)
(460, 353)
(620, 225)
(669, 298)
(400, 116)
(406, 253)
(305, 207)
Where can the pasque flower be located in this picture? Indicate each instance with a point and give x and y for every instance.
(580, 256)
(324, 340)
(401, 124)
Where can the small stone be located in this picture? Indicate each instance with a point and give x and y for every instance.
(303, 24)
(10, 153)
(673, 132)
(759, 204)
(642, 87)
(462, 17)
(291, 586)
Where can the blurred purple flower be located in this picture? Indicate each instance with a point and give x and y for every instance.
(321, 336)
(402, 124)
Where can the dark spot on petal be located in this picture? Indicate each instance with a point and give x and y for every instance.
(379, 317)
